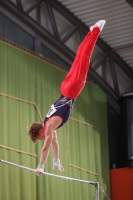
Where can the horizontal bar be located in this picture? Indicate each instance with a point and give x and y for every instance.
(48, 174)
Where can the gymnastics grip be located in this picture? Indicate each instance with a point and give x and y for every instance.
(56, 164)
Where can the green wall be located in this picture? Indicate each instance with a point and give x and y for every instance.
(35, 81)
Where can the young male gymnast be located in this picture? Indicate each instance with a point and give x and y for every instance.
(60, 111)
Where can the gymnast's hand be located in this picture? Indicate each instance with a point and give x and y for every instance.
(56, 164)
(39, 170)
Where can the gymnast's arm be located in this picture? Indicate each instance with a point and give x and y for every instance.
(46, 147)
(55, 146)
(51, 126)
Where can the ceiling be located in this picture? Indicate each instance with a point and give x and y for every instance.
(118, 32)
(61, 22)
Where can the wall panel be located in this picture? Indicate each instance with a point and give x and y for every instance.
(36, 83)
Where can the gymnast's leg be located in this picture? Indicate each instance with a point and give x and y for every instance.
(75, 80)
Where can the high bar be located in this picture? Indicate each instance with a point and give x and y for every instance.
(48, 174)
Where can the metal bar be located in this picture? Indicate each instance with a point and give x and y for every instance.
(130, 2)
(85, 170)
(61, 47)
(18, 151)
(70, 33)
(82, 35)
(52, 19)
(35, 5)
(37, 44)
(113, 72)
(19, 4)
(37, 28)
(38, 15)
(122, 64)
(39, 113)
(97, 191)
(16, 98)
(103, 85)
(74, 20)
(100, 43)
(82, 122)
(48, 174)
(100, 61)
(104, 70)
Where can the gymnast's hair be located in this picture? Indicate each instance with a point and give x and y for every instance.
(33, 131)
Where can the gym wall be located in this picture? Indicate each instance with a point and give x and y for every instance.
(28, 86)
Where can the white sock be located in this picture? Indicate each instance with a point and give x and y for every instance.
(99, 24)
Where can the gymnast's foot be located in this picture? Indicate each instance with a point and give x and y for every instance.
(100, 24)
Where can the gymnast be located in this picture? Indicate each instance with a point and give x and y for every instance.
(60, 111)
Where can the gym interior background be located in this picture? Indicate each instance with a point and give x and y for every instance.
(38, 42)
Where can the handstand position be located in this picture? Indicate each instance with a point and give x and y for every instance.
(60, 111)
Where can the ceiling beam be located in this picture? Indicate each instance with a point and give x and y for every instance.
(19, 3)
(52, 19)
(70, 33)
(74, 20)
(37, 28)
(57, 43)
(104, 70)
(35, 5)
(100, 61)
(113, 72)
(100, 43)
(38, 15)
(103, 85)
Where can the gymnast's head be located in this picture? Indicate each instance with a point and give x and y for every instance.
(36, 131)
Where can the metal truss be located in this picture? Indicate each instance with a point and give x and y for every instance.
(59, 43)
(130, 2)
